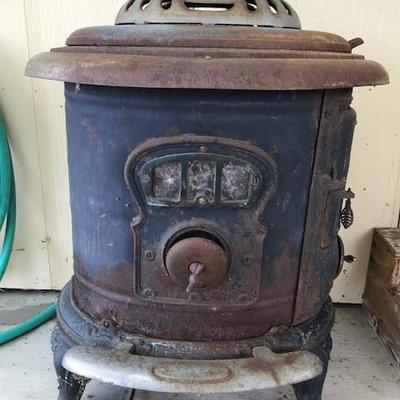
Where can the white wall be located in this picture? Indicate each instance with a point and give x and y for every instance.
(35, 118)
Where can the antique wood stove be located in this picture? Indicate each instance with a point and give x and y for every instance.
(208, 147)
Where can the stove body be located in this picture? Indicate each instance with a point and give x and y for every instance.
(239, 152)
(207, 184)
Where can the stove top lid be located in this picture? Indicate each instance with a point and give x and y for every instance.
(208, 44)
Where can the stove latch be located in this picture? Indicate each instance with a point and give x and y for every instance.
(333, 192)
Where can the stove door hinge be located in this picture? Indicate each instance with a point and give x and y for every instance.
(332, 193)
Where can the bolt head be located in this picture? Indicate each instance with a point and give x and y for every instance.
(149, 255)
(148, 293)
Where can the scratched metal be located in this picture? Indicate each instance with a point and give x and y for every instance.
(119, 273)
(208, 57)
(74, 328)
(113, 285)
(195, 250)
(264, 370)
(331, 167)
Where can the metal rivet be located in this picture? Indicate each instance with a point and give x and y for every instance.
(146, 178)
(203, 148)
(148, 293)
(350, 259)
(149, 255)
(106, 324)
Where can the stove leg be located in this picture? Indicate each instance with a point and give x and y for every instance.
(71, 386)
(312, 390)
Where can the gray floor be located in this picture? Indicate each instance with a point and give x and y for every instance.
(359, 367)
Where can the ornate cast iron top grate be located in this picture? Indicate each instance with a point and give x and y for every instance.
(271, 13)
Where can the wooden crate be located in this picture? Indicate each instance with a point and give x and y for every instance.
(382, 292)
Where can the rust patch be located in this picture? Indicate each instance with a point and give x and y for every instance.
(273, 367)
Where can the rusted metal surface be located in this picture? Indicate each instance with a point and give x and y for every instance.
(197, 263)
(213, 52)
(204, 37)
(205, 222)
(79, 329)
(331, 167)
(263, 371)
(273, 13)
(206, 73)
(126, 283)
(202, 157)
(76, 328)
(218, 57)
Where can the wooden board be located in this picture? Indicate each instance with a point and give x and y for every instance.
(382, 292)
(32, 26)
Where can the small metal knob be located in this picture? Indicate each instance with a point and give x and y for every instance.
(197, 263)
(350, 259)
(195, 270)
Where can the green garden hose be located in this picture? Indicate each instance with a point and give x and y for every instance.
(7, 199)
(28, 325)
(8, 212)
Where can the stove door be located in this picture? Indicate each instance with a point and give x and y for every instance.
(199, 240)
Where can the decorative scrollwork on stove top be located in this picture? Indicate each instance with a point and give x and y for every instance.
(271, 13)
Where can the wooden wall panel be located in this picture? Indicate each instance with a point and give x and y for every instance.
(48, 24)
(375, 168)
(29, 266)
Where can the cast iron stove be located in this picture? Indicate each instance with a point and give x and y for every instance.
(208, 147)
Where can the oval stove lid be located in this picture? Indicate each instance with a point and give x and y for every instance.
(177, 44)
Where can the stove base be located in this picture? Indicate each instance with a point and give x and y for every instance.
(72, 386)
(312, 389)
(75, 328)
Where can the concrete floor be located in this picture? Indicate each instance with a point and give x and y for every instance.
(359, 368)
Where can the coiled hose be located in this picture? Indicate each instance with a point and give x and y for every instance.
(8, 213)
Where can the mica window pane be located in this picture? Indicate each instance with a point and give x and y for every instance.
(201, 181)
(167, 182)
(235, 182)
